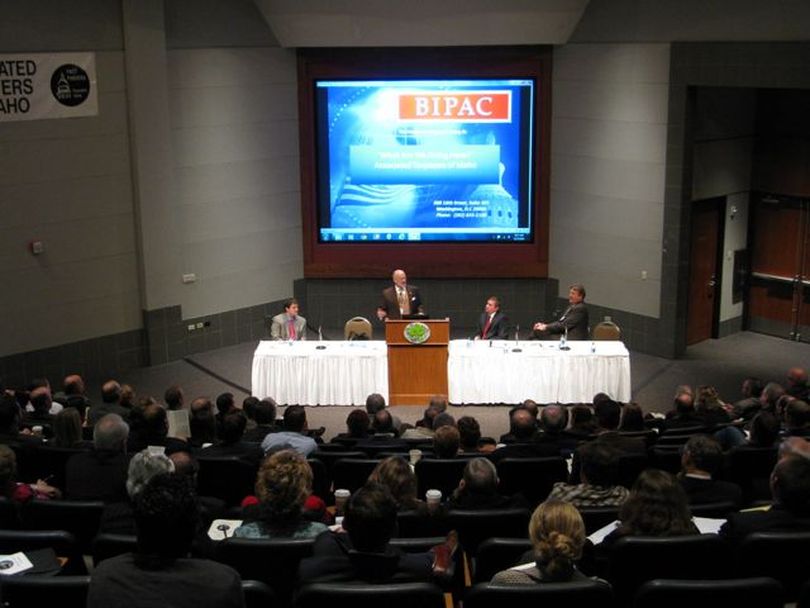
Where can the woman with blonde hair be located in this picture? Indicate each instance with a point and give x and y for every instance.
(396, 474)
(557, 534)
(282, 486)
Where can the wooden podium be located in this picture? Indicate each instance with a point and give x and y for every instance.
(416, 372)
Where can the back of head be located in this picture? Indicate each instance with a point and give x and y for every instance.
(185, 464)
(600, 463)
(443, 419)
(358, 423)
(166, 517)
(383, 423)
(111, 392)
(752, 387)
(764, 429)
(374, 403)
(582, 417)
(143, 467)
(608, 413)
(554, 418)
(233, 426)
(657, 506)
(173, 397)
(396, 474)
(469, 432)
(790, 484)
(522, 424)
(295, 419)
(249, 405)
(770, 394)
(67, 428)
(557, 534)
(154, 422)
(41, 400)
(225, 403)
(632, 418)
(446, 441)
(704, 453)
(265, 412)
(438, 402)
(530, 405)
(371, 515)
(797, 414)
(110, 433)
(283, 484)
(202, 422)
(480, 477)
(73, 385)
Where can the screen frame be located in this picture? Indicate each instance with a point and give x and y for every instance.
(425, 258)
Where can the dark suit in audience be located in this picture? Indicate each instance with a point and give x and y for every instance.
(101, 473)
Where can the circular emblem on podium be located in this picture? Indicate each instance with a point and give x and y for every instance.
(416, 332)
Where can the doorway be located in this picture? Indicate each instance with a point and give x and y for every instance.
(703, 312)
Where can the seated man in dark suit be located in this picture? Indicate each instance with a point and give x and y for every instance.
(160, 572)
(702, 458)
(264, 413)
(574, 321)
(364, 554)
(525, 443)
(10, 418)
(493, 324)
(384, 436)
(231, 444)
(790, 487)
(478, 489)
(101, 474)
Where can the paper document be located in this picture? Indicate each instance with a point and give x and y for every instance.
(14, 563)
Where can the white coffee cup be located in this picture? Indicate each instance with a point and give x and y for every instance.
(415, 456)
(434, 498)
(341, 498)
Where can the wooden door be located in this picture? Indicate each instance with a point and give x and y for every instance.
(704, 270)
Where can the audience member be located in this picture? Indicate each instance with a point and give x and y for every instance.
(478, 489)
(231, 440)
(67, 429)
(446, 442)
(747, 407)
(73, 394)
(202, 422)
(470, 437)
(797, 384)
(702, 459)
(363, 553)
(225, 403)
(294, 436)
(283, 485)
(790, 488)
(797, 419)
(110, 403)
(18, 492)
(598, 474)
(118, 517)
(632, 420)
(160, 573)
(376, 402)
(357, 428)
(710, 408)
(264, 414)
(174, 398)
(525, 444)
(101, 473)
(557, 534)
(397, 475)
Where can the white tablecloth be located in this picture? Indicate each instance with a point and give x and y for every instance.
(343, 373)
(480, 373)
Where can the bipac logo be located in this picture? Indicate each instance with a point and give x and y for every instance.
(477, 106)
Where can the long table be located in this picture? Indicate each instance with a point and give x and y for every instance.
(492, 372)
(342, 373)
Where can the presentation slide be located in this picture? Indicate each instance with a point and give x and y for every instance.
(425, 160)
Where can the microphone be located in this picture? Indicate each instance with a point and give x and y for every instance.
(517, 348)
(224, 529)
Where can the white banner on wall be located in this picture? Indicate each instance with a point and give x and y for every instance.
(34, 86)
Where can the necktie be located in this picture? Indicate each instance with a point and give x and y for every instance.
(291, 329)
(486, 327)
(402, 297)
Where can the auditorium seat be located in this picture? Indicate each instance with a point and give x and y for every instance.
(606, 330)
(496, 554)
(570, 594)
(362, 595)
(226, 477)
(474, 527)
(533, 477)
(352, 473)
(79, 517)
(780, 555)
(357, 328)
(736, 593)
(35, 591)
(439, 474)
(106, 546)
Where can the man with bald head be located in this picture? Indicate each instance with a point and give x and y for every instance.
(523, 426)
(797, 383)
(73, 394)
(110, 403)
(400, 299)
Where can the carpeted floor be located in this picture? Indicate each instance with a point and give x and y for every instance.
(723, 363)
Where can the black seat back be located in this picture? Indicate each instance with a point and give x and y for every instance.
(33, 590)
(361, 595)
(780, 555)
(439, 474)
(533, 477)
(226, 477)
(738, 592)
(496, 554)
(573, 593)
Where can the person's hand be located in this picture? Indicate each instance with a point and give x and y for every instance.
(381, 314)
(49, 491)
(540, 326)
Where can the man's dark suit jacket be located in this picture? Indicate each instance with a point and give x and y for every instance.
(575, 318)
(498, 329)
(702, 491)
(526, 449)
(390, 304)
(97, 475)
(776, 519)
(249, 452)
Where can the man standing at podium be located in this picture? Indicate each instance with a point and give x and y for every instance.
(574, 319)
(493, 324)
(288, 325)
(399, 299)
